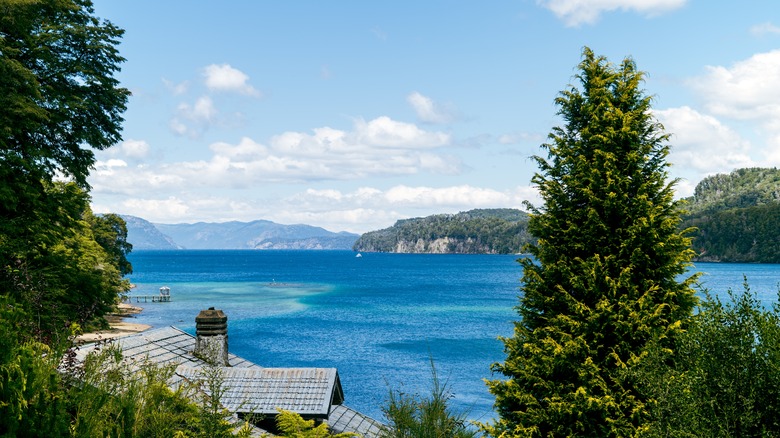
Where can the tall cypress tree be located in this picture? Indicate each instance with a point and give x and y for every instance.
(605, 284)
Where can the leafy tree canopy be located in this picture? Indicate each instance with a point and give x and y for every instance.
(69, 277)
(58, 92)
(60, 100)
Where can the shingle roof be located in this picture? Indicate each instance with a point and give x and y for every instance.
(308, 391)
(343, 418)
(163, 346)
(250, 388)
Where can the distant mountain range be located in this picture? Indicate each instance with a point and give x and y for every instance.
(260, 234)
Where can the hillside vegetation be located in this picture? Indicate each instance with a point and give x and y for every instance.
(481, 231)
(742, 188)
(737, 216)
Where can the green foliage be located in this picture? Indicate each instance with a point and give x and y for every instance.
(42, 396)
(493, 231)
(111, 397)
(741, 235)
(31, 391)
(65, 276)
(58, 90)
(412, 416)
(603, 285)
(736, 216)
(741, 188)
(110, 232)
(725, 381)
(60, 101)
(292, 425)
(212, 416)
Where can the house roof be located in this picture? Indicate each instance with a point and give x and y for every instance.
(308, 391)
(162, 346)
(250, 388)
(343, 419)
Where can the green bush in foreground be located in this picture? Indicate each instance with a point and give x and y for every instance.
(725, 381)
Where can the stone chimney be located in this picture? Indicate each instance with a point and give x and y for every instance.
(211, 338)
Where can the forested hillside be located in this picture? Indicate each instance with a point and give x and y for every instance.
(741, 188)
(737, 216)
(488, 231)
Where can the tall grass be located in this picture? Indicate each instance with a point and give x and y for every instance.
(415, 416)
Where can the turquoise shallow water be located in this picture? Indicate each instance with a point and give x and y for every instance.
(379, 318)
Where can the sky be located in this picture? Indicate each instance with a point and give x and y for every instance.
(351, 115)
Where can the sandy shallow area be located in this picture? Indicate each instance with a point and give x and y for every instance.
(120, 324)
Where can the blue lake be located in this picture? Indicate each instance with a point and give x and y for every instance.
(379, 318)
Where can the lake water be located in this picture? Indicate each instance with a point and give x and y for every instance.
(379, 318)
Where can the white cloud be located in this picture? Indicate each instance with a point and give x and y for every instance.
(136, 149)
(749, 93)
(192, 120)
(202, 110)
(108, 167)
(178, 127)
(747, 90)
(379, 147)
(577, 12)
(172, 208)
(226, 78)
(115, 177)
(130, 149)
(764, 29)
(428, 111)
(355, 220)
(384, 132)
(685, 188)
(449, 196)
(771, 155)
(701, 144)
(246, 149)
(400, 197)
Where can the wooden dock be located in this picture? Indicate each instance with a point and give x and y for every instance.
(149, 298)
(163, 297)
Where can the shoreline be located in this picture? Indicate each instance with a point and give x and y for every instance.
(118, 326)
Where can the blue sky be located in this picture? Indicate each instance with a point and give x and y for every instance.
(351, 115)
